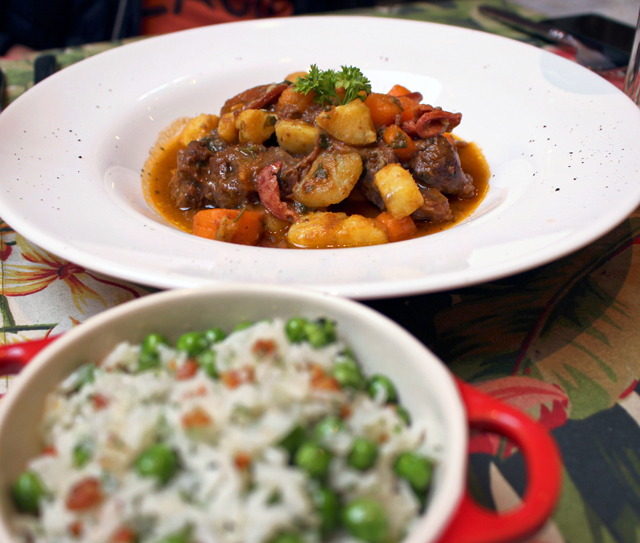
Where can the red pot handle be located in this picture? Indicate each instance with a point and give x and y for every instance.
(475, 524)
(14, 357)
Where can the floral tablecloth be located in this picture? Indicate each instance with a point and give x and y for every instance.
(561, 341)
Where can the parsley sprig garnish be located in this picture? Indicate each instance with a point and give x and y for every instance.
(326, 82)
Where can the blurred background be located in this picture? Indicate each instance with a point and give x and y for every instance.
(27, 25)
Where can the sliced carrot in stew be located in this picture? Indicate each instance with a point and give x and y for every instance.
(231, 225)
(396, 229)
(384, 108)
(401, 143)
(409, 107)
(292, 100)
(399, 90)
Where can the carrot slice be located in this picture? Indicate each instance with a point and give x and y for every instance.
(294, 100)
(231, 225)
(409, 106)
(399, 90)
(85, 494)
(396, 229)
(384, 108)
(401, 143)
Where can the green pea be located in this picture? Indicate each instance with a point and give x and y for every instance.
(82, 453)
(207, 361)
(313, 459)
(328, 506)
(27, 491)
(403, 414)
(366, 519)
(363, 454)
(287, 537)
(381, 386)
(193, 343)
(295, 329)
(320, 333)
(151, 342)
(346, 357)
(157, 461)
(215, 335)
(149, 358)
(348, 375)
(416, 469)
(182, 536)
(242, 326)
(293, 440)
(327, 428)
(148, 361)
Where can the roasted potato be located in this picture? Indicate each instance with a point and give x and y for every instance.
(296, 137)
(227, 127)
(321, 230)
(399, 190)
(198, 127)
(255, 125)
(350, 124)
(330, 179)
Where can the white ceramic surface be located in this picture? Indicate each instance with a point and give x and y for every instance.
(425, 387)
(562, 144)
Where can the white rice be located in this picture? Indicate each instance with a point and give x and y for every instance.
(250, 419)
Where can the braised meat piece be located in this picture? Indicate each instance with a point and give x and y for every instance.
(435, 208)
(430, 121)
(373, 160)
(256, 97)
(226, 178)
(437, 164)
(186, 183)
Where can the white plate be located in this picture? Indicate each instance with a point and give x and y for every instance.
(562, 143)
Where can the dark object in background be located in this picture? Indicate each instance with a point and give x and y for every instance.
(48, 24)
(318, 6)
(1, 89)
(43, 67)
(612, 38)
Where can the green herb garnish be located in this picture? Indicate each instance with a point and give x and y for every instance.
(326, 82)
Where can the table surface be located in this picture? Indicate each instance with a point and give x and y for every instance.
(561, 341)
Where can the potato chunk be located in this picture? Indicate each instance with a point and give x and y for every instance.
(296, 137)
(227, 127)
(255, 125)
(350, 124)
(399, 190)
(330, 179)
(321, 230)
(198, 127)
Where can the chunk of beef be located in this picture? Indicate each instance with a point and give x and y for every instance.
(231, 182)
(186, 184)
(225, 178)
(373, 160)
(435, 208)
(437, 164)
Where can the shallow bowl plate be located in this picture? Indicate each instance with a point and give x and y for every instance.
(562, 144)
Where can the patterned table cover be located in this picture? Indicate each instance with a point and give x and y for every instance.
(561, 342)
